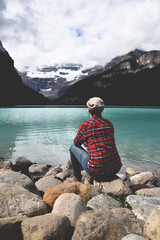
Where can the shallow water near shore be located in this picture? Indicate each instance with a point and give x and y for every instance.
(44, 135)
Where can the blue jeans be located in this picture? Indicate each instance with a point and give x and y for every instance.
(79, 157)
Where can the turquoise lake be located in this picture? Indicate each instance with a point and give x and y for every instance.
(44, 135)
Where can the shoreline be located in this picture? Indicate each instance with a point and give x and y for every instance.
(74, 106)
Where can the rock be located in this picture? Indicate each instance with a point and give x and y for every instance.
(152, 225)
(133, 237)
(70, 205)
(64, 174)
(150, 192)
(103, 225)
(136, 187)
(47, 182)
(17, 201)
(131, 172)
(37, 171)
(6, 164)
(9, 176)
(10, 228)
(142, 206)
(142, 178)
(103, 201)
(122, 176)
(53, 171)
(85, 191)
(46, 227)
(116, 187)
(22, 164)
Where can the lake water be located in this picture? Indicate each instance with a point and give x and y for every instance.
(44, 135)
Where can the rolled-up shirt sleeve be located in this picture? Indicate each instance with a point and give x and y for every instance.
(79, 139)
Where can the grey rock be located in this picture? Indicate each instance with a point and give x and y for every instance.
(64, 174)
(142, 206)
(122, 176)
(6, 164)
(152, 225)
(22, 164)
(46, 227)
(142, 178)
(150, 192)
(10, 228)
(47, 182)
(116, 187)
(17, 178)
(131, 172)
(103, 225)
(53, 171)
(37, 171)
(70, 205)
(133, 237)
(103, 201)
(17, 201)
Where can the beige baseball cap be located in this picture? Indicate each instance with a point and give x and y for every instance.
(95, 103)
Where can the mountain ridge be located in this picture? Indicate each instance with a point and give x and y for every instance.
(12, 89)
(133, 81)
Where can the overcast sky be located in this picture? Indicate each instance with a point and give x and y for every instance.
(90, 32)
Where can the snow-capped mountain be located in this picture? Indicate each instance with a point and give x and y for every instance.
(51, 81)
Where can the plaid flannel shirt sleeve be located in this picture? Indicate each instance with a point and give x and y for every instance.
(79, 139)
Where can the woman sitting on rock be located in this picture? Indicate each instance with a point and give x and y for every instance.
(101, 160)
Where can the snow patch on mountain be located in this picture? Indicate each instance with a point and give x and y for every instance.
(69, 72)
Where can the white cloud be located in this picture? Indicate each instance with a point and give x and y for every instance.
(90, 32)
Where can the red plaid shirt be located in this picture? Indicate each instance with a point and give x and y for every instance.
(97, 134)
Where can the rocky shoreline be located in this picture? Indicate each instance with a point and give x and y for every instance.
(38, 202)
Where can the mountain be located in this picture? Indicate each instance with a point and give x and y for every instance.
(12, 89)
(129, 80)
(53, 81)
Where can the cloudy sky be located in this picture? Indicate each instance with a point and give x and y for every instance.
(90, 32)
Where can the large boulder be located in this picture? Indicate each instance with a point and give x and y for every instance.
(150, 192)
(142, 206)
(116, 187)
(46, 227)
(103, 201)
(103, 225)
(10, 228)
(47, 182)
(17, 178)
(70, 205)
(85, 191)
(17, 201)
(152, 225)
